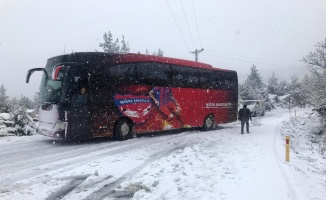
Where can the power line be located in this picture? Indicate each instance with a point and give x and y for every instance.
(256, 59)
(250, 61)
(242, 60)
(196, 22)
(219, 52)
(177, 24)
(187, 23)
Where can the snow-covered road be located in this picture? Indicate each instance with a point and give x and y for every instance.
(218, 164)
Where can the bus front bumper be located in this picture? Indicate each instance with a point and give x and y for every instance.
(57, 130)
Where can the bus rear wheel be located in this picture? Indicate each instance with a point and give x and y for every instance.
(208, 123)
(123, 129)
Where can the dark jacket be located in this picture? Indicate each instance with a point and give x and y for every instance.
(244, 114)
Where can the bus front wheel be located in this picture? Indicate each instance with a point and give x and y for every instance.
(123, 129)
(208, 123)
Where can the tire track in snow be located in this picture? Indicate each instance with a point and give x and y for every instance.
(24, 169)
(71, 185)
(65, 161)
(55, 152)
(108, 189)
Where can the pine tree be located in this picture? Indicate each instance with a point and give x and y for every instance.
(295, 90)
(306, 85)
(25, 102)
(272, 84)
(116, 46)
(256, 78)
(3, 100)
(124, 46)
(253, 87)
(13, 104)
(107, 45)
(283, 88)
(160, 52)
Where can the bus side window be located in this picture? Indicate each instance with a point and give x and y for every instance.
(223, 80)
(230, 80)
(153, 74)
(185, 76)
(121, 74)
(206, 79)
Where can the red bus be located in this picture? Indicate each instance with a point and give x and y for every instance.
(94, 94)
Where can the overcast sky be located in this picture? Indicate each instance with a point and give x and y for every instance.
(272, 34)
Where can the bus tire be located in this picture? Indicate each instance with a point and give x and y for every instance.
(208, 123)
(123, 129)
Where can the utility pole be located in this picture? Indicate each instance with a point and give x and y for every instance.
(196, 52)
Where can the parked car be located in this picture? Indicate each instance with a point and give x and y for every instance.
(268, 106)
(256, 107)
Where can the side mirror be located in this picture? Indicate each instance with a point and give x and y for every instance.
(31, 71)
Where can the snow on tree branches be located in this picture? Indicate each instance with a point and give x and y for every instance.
(159, 52)
(253, 87)
(4, 107)
(316, 60)
(315, 85)
(113, 47)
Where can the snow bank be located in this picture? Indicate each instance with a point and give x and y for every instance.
(284, 96)
(308, 152)
(307, 132)
(4, 116)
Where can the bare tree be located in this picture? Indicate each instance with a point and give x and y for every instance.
(316, 60)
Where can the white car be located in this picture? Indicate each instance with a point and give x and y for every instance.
(256, 107)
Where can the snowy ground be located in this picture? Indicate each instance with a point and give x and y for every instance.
(219, 164)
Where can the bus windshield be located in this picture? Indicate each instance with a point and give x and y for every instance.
(51, 84)
(50, 90)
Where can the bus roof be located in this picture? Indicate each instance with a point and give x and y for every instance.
(131, 57)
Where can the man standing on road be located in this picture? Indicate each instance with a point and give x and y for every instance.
(244, 116)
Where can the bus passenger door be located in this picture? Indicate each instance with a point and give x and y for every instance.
(80, 119)
(80, 125)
